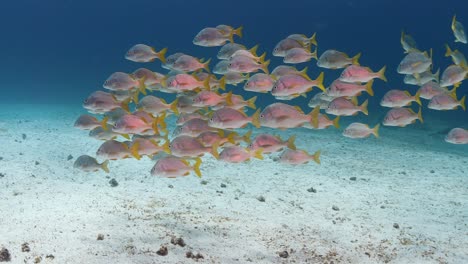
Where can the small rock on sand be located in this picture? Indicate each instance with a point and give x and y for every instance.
(162, 251)
(4, 255)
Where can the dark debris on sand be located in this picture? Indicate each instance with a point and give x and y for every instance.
(5, 255)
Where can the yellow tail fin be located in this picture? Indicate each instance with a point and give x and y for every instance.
(256, 118)
(336, 122)
(253, 50)
(304, 71)
(174, 108)
(206, 82)
(291, 144)
(166, 147)
(319, 81)
(196, 167)
(251, 102)
(381, 74)
(222, 83)
(375, 130)
(154, 126)
(420, 116)
(448, 51)
(162, 54)
(258, 154)
(364, 107)
(314, 55)
(104, 166)
(454, 22)
(314, 117)
(265, 67)
(126, 136)
(231, 138)
(417, 98)
(135, 97)
(261, 59)
(316, 156)
(125, 106)
(369, 88)
(313, 39)
(247, 136)
(229, 98)
(141, 85)
(134, 150)
(104, 122)
(238, 31)
(214, 150)
(462, 103)
(206, 65)
(355, 59)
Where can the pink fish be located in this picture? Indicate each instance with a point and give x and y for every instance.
(229, 118)
(193, 127)
(131, 124)
(237, 154)
(457, 136)
(186, 146)
(454, 75)
(321, 121)
(279, 115)
(431, 89)
(145, 53)
(156, 105)
(286, 70)
(303, 39)
(269, 143)
(285, 45)
(235, 78)
(251, 53)
(209, 98)
(339, 89)
(185, 82)
(213, 37)
(299, 55)
(151, 78)
(227, 50)
(245, 64)
(341, 106)
(173, 167)
(187, 63)
(87, 122)
(113, 150)
(260, 83)
(295, 85)
(101, 134)
(120, 81)
(238, 102)
(209, 138)
(356, 73)
(447, 101)
(228, 30)
(399, 98)
(333, 59)
(359, 130)
(185, 117)
(296, 157)
(185, 104)
(89, 164)
(401, 117)
(101, 102)
(171, 59)
(147, 147)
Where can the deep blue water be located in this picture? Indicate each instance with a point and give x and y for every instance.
(62, 50)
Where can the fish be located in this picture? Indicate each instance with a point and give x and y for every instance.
(245, 64)
(89, 164)
(296, 85)
(431, 89)
(209, 98)
(114, 115)
(214, 84)
(297, 157)
(228, 30)
(360, 130)
(333, 59)
(285, 45)
(185, 104)
(122, 96)
(151, 78)
(453, 75)
(280, 115)
(145, 53)
(341, 106)
(399, 98)
(414, 63)
(156, 105)
(221, 67)
(238, 102)
(88, 122)
(408, 43)
(299, 55)
(447, 101)
(402, 117)
(304, 40)
(209, 138)
(356, 73)
(458, 31)
(270, 143)
(147, 147)
(173, 167)
(320, 99)
(171, 59)
(187, 63)
(259, 83)
(113, 150)
(422, 78)
(237, 154)
(229, 118)
(101, 134)
(187, 146)
(185, 117)
(131, 124)
(235, 78)
(227, 50)
(339, 88)
(185, 82)
(322, 121)
(457, 57)
(457, 136)
(282, 70)
(193, 128)
(100, 102)
(251, 53)
(121, 81)
(212, 37)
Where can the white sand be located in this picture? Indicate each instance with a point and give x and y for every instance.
(60, 211)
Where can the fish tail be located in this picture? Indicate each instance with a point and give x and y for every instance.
(231, 139)
(314, 119)
(247, 136)
(231, 36)
(336, 122)
(206, 82)
(454, 22)
(314, 55)
(364, 107)
(375, 130)
(304, 71)
(134, 150)
(125, 106)
(196, 167)
(253, 50)
(222, 83)
(355, 59)
(448, 51)
(462, 103)
(174, 108)
(319, 81)
(256, 118)
(417, 97)
(265, 66)
(436, 75)
(162, 122)
(258, 154)
(369, 87)
(316, 156)
(104, 122)
(162, 55)
(214, 150)
(238, 31)
(251, 102)
(381, 74)
(104, 166)
(313, 39)
(228, 98)
(154, 126)
(420, 115)
(291, 144)
(135, 97)
(141, 85)
(261, 59)
(206, 65)
(166, 147)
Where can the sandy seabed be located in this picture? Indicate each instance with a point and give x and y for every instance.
(402, 198)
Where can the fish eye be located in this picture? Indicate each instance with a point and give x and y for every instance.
(262, 116)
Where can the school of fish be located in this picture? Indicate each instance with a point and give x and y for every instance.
(208, 113)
